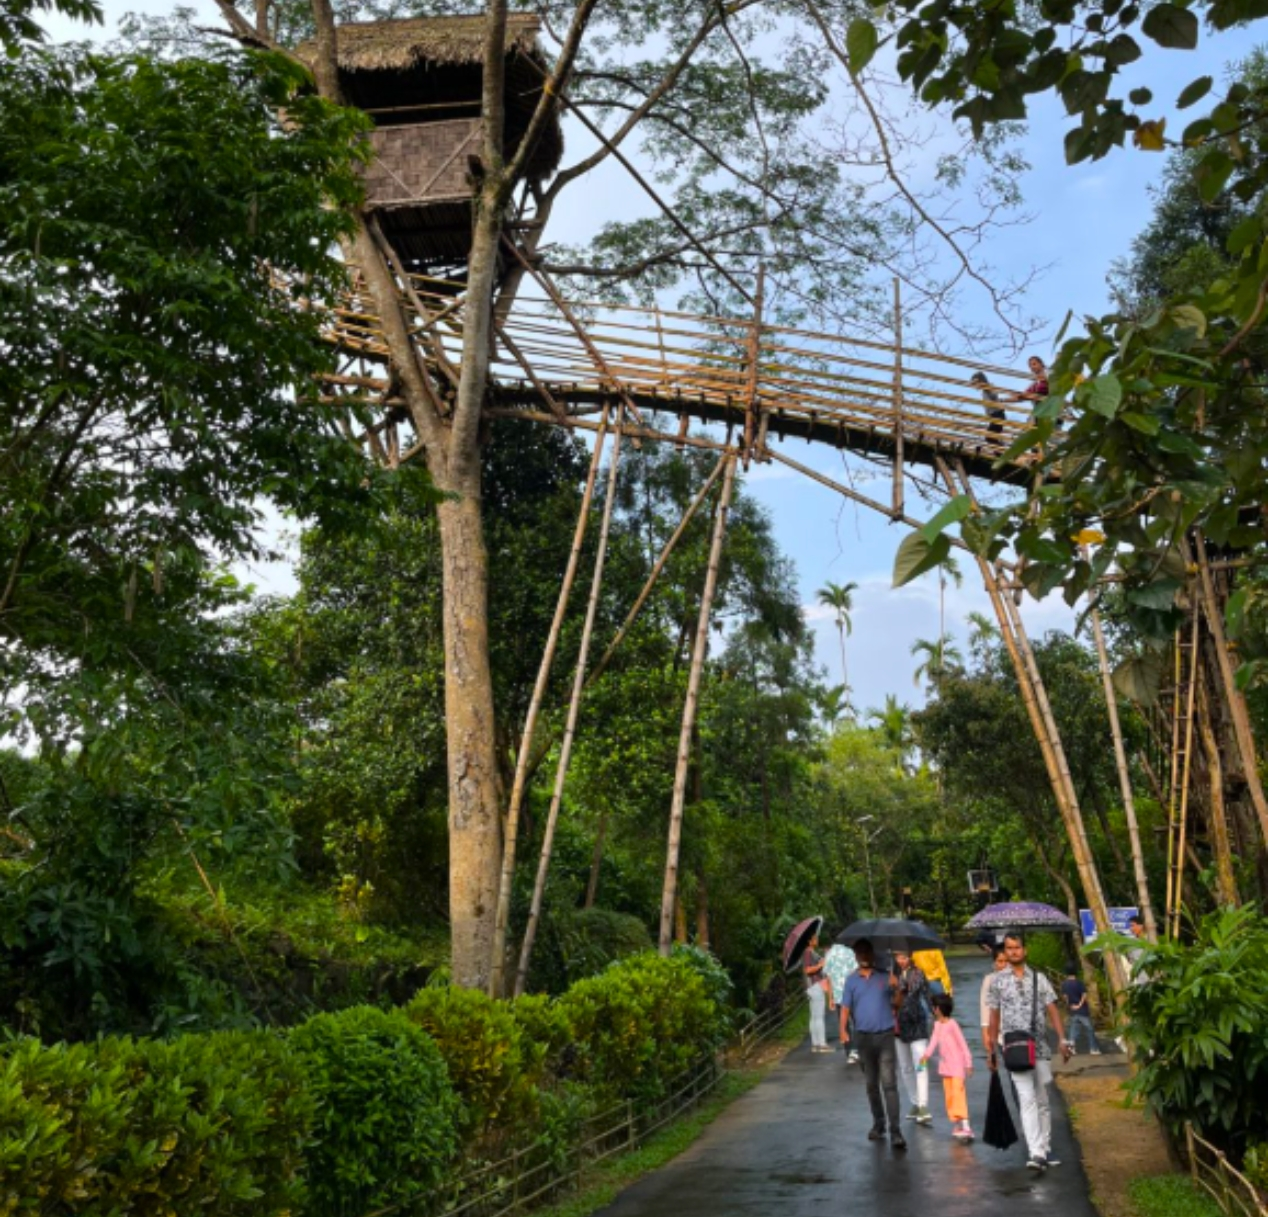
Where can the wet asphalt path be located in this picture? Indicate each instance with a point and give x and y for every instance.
(796, 1146)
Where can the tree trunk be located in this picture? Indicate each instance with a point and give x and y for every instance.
(596, 861)
(475, 788)
(1217, 813)
(702, 913)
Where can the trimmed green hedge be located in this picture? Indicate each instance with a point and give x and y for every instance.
(213, 1124)
(386, 1119)
(349, 1112)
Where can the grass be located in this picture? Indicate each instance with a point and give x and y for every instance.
(1170, 1196)
(607, 1180)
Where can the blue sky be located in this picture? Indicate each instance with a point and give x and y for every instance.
(1083, 218)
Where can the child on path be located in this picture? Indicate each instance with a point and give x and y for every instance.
(955, 1064)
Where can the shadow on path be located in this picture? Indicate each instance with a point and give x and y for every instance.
(796, 1146)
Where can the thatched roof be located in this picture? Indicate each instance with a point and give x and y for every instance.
(372, 46)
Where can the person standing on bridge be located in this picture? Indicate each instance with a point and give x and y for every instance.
(994, 411)
(869, 997)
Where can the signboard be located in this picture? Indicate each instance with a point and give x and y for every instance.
(1120, 921)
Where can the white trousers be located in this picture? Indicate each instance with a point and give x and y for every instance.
(1036, 1116)
(916, 1081)
(818, 1000)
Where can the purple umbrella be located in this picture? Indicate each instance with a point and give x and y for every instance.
(798, 940)
(1022, 915)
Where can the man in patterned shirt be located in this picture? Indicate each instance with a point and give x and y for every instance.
(1017, 999)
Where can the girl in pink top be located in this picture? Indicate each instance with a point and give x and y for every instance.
(955, 1064)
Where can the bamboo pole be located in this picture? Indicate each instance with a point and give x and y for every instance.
(570, 727)
(1179, 824)
(1043, 722)
(654, 575)
(1234, 698)
(1217, 820)
(753, 370)
(669, 895)
(897, 512)
(1124, 782)
(502, 917)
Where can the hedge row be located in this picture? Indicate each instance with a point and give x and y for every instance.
(344, 1114)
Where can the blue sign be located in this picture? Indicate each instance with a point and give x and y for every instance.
(1120, 922)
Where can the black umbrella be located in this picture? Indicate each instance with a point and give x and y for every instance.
(892, 934)
(998, 1128)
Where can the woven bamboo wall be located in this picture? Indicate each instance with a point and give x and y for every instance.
(421, 161)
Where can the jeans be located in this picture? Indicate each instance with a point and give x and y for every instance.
(818, 1001)
(915, 1080)
(880, 1069)
(1081, 1018)
(1032, 1099)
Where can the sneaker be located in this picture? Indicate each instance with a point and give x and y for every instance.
(1051, 1161)
(876, 1134)
(1096, 1052)
(898, 1141)
(923, 1117)
(853, 1058)
(963, 1133)
(1036, 1164)
(914, 1113)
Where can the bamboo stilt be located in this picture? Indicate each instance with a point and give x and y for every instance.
(1217, 813)
(669, 895)
(1180, 806)
(1125, 782)
(1234, 698)
(570, 727)
(511, 829)
(897, 511)
(753, 370)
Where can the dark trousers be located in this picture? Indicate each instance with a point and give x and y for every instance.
(880, 1067)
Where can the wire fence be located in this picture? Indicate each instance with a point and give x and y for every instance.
(543, 1171)
(1219, 1178)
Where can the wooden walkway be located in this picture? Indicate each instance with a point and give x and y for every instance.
(560, 362)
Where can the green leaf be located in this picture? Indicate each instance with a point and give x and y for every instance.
(1244, 234)
(916, 556)
(861, 41)
(1235, 612)
(1160, 595)
(951, 513)
(1139, 679)
(1195, 90)
(1171, 26)
(1146, 424)
(1105, 395)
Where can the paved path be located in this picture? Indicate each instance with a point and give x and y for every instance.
(796, 1146)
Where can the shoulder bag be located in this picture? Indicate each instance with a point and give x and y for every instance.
(1020, 1049)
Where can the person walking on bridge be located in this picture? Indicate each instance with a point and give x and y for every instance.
(1018, 998)
(869, 997)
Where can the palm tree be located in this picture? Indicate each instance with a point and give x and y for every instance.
(894, 724)
(982, 630)
(948, 568)
(939, 657)
(834, 704)
(839, 597)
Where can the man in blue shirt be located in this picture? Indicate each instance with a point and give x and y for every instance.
(869, 997)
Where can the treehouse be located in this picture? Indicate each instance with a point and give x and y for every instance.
(421, 81)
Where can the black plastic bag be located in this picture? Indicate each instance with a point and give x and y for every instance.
(998, 1128)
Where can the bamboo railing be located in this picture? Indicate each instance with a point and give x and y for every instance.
(560, 361)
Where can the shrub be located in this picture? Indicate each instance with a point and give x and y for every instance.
(213, 1124)
(481, 1044)
(641, 1022)
(387, 1118)
(717, 980)
(576, 943)
(545, 1035)
(1199, 1022)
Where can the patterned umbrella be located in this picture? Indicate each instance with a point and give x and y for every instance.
(1023, 915)
(798, 940)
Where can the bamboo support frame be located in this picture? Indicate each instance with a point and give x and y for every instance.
(570, 727)
(1217, 812)
(1234, 698)
(1043, 722)
(1124, 781)
(669, 894)
(1181, 769)
(753, 371)
(511, 824)
(897, 511)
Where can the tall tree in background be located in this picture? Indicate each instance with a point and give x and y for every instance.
(839, 597)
